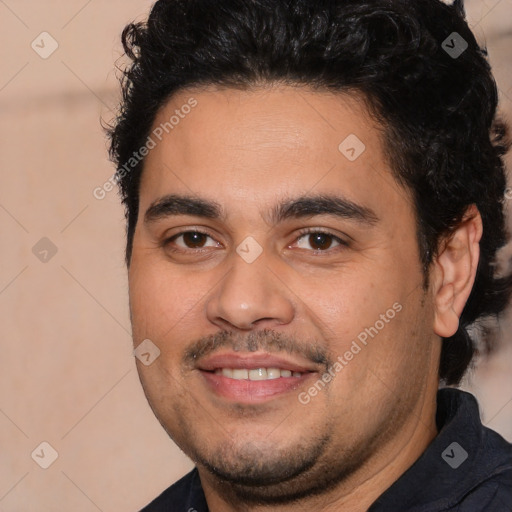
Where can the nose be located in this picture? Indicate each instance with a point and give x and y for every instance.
(250, 295)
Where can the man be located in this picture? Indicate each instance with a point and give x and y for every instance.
(314, 199)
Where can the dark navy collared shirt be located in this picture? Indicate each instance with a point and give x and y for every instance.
(466, 468)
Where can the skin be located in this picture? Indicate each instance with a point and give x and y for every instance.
(249, 150)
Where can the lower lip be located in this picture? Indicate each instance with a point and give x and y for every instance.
(251, 391)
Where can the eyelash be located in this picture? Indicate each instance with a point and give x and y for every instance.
(302, 232)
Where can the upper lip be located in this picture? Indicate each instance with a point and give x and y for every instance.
(252, 360)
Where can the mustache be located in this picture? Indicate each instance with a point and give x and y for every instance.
(265, 340)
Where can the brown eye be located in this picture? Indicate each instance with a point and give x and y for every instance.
(194, 239)
(318, 241)
(190, 240)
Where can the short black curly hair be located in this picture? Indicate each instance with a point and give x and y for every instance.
(442, 137)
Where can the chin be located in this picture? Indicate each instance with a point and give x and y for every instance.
(272, 477)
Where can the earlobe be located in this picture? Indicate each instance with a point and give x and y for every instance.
(454, 272)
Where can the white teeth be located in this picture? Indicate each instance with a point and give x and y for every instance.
(273, 373)
(240, 373)
(256, 373)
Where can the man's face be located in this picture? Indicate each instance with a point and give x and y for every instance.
(251, 305)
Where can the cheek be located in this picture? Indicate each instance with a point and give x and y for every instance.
(344, 304)
(368, 322)
(166, 306)
(150, 300)
(377, 363)
(156, 300)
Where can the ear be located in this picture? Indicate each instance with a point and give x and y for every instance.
(454, 271)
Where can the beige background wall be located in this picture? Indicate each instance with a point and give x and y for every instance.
(67, 375)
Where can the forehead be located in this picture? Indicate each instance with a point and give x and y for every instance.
(259, 144)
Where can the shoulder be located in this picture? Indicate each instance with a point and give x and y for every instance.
(488, 479)
(466, 468)
(493, 495)
(186, 495)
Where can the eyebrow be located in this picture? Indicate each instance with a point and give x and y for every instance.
(301, 207)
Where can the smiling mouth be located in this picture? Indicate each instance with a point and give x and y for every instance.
(256, 373)
(249, 378)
